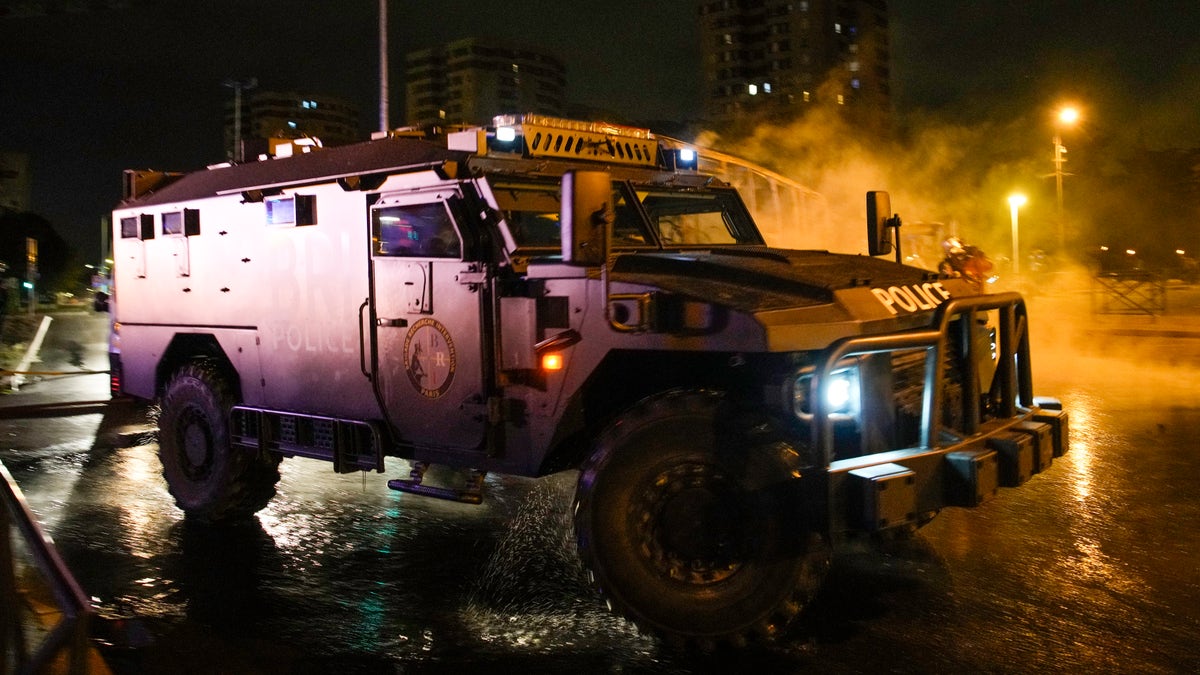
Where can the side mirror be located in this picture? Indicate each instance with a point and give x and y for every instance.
(587, 213)
(879, 222)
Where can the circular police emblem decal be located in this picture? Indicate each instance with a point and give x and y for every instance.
(429, 357)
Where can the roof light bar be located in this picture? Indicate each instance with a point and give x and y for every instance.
(554, 137)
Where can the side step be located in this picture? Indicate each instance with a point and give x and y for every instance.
(471, 494)
(351, 445)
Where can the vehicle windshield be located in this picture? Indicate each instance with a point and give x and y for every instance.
(646, 217)
(698, 218)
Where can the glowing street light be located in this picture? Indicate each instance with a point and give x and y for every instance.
(1015, 202)
(1067, 117)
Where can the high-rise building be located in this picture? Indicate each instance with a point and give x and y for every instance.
(279, 114)
(14, 181)
(769, 59)
(470, 81)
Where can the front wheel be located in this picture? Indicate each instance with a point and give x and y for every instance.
(693, 532)
(209, 479)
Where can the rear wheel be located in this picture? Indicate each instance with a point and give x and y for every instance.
(693, 532)
(209, 480)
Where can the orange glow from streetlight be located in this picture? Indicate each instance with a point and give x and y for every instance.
(1068, 115)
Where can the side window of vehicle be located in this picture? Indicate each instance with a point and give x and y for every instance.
(415, 231)
(532, 214)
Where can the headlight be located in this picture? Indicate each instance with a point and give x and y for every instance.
(840, 392)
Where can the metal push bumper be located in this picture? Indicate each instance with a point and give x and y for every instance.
(948, 467)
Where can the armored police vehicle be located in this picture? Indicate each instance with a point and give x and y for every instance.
(545, 295)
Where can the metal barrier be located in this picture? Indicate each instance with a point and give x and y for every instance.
(70, 633)
(1131, 292)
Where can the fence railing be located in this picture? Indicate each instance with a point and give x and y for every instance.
(69, 635)
(1132, 292)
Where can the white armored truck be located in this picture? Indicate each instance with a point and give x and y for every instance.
(545, 295)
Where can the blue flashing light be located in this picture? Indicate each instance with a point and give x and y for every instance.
(506, 134)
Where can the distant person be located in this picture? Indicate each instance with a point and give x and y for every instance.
(966, 261)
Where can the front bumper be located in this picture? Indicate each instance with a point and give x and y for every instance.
(1001, 440)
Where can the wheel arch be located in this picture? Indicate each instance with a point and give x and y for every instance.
(185, 348)
(624, 378)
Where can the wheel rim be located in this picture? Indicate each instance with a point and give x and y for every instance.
(690, 525)
(195, 445)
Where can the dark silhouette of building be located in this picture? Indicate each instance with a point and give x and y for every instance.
(14, 181)
(270, 115)
(470, 81)
(771, 59)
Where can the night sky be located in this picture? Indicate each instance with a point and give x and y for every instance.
(87, 94)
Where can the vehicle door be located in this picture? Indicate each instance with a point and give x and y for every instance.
(428, 351)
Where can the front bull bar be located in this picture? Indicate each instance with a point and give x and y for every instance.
(1013, 375)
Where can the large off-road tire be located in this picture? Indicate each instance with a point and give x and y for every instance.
(694, 528)
(210, 481)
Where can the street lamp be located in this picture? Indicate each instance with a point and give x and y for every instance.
(1016, 201)
(1067, 117)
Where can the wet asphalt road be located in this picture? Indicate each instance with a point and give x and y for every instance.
(1090, 567)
